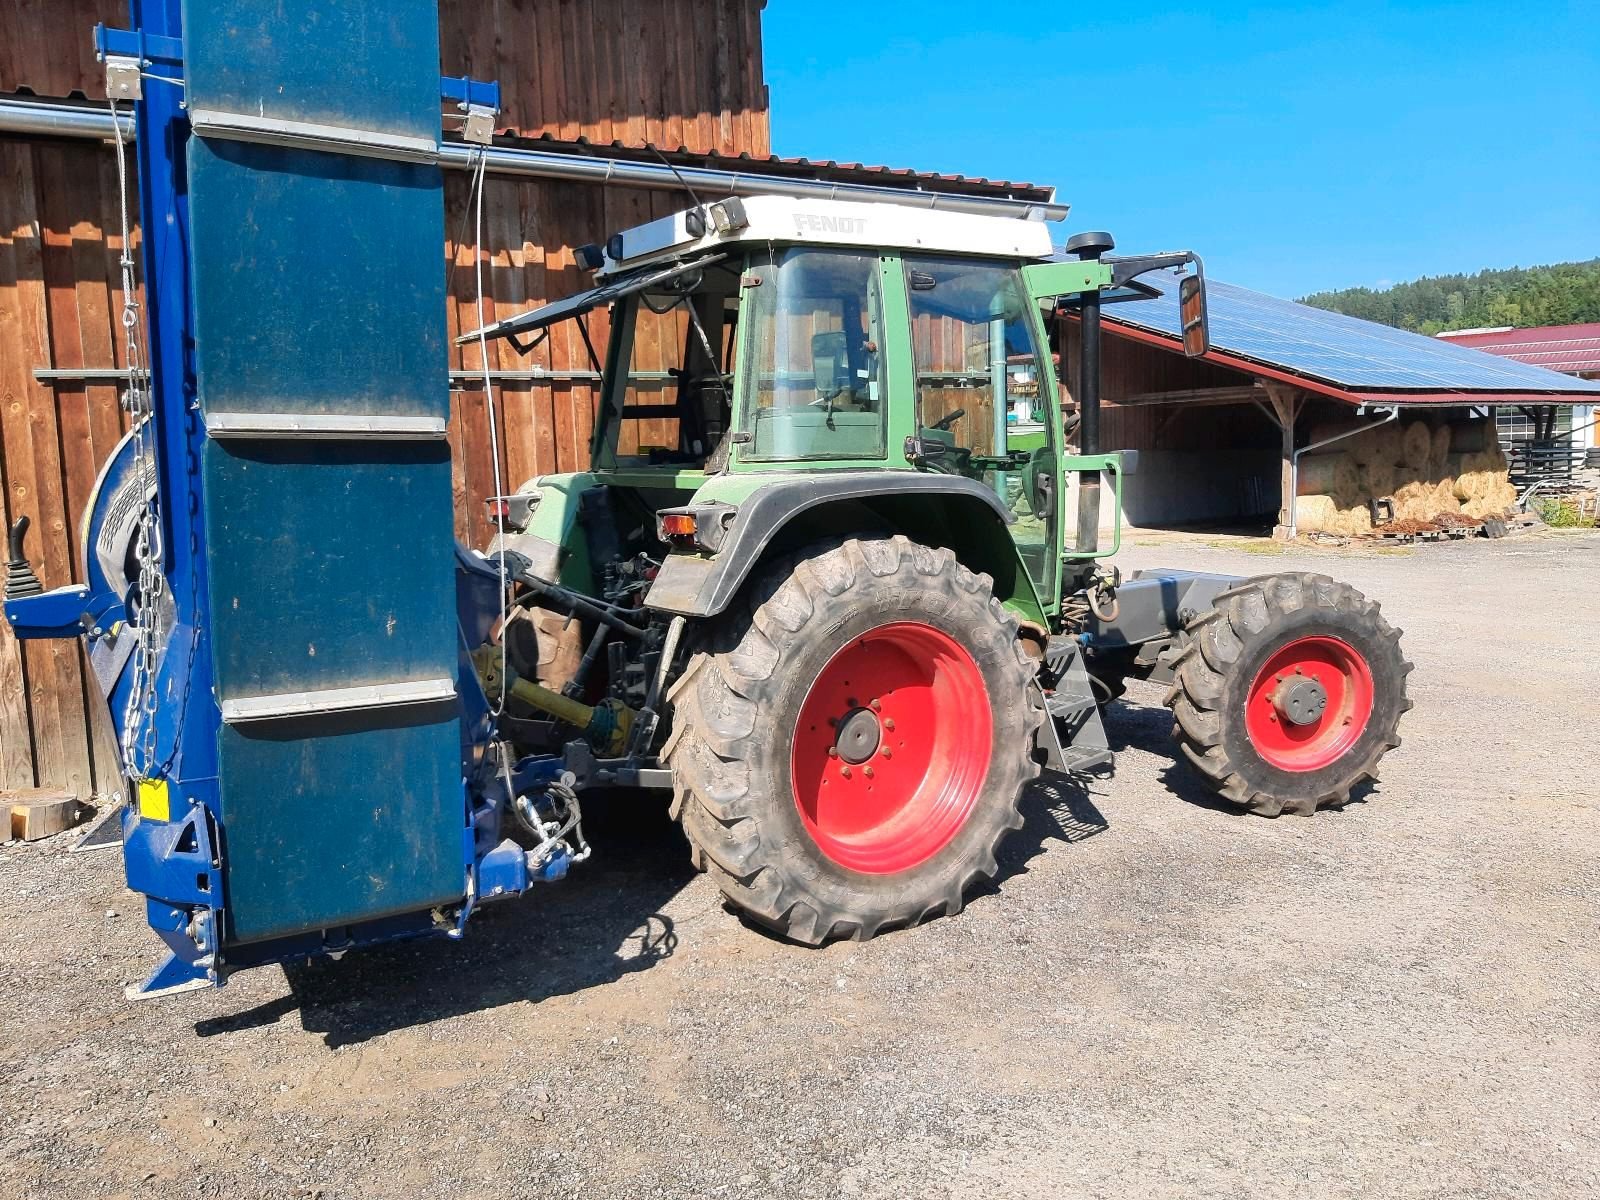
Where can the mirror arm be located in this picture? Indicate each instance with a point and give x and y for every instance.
(1125, 269)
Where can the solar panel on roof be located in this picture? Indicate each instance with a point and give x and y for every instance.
(1344, 351)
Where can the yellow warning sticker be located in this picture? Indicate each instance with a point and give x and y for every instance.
(153, 801)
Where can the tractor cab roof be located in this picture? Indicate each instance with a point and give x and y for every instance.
(785, 220)
(655, 253)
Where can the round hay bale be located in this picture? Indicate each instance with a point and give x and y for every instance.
(1440, 450)
(1377, 479)
(1412, 510)
(1362, 448)
(1416, 445)
(1381, 444)
(1391, 438)
(1327, 429)
(1413, 499)
(1475, 475)
(1444, 497)
(1411, 495)
(1314, 514)
(1325, 474)
(1354, 521)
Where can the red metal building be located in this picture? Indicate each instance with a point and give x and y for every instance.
(1570, 349)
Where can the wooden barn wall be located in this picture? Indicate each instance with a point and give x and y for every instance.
(672, 72)
(1132, 368)
(60, 301)
(530, 232)
(669, 72)
(675, 72)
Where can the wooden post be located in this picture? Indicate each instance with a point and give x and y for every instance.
(1286, 404)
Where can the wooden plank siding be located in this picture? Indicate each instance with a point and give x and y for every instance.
(1130, 368)
(672, 72)
(60, 304)
(669, 72)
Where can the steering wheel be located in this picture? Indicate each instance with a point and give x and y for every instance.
(949, 419)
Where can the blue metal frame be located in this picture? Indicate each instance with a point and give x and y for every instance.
(186, 732)
(466, 92)
(173, 854)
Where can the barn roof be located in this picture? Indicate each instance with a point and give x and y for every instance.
(1345, 357)
(1570, 349)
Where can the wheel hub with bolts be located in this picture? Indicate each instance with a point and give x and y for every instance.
(1300, 700)
(859, 735)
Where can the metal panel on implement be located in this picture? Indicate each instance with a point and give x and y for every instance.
(321, 371)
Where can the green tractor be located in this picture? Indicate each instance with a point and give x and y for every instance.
(824, 578)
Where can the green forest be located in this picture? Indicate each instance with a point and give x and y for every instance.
(1561, 294)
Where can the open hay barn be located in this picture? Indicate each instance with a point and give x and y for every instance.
(1293, 400)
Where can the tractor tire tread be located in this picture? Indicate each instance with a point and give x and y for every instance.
(1213, 643)
(715, 705)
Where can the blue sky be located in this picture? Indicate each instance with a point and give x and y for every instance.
(1296, 147)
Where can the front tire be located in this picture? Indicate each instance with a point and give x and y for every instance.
(1288, 692)
(850, 749)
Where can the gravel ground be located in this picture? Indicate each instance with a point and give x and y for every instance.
(1158, 998)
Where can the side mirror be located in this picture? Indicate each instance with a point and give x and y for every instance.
(830, 363)
(1192, 317)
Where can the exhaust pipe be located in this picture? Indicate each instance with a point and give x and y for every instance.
(1089, 247)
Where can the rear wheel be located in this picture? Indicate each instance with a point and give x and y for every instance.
(848, 752)
(1288, 692)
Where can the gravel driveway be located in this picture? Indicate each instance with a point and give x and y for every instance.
(1159, 998)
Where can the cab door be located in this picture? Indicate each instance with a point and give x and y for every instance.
(985, 397)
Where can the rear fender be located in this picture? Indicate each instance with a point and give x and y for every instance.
(549, 539)
(757, 524)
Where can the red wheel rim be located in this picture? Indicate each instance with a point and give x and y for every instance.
(1309, 704)
(891, 749)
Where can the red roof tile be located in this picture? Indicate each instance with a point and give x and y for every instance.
(829, 169)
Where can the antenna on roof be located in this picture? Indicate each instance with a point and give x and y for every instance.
(677, 174)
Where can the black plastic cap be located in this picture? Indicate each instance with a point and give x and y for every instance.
(1090, 244)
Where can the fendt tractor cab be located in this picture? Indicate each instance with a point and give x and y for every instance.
(824, 580)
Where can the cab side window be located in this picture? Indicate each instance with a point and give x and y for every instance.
(813, 374)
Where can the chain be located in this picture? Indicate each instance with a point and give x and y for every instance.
(139, 725)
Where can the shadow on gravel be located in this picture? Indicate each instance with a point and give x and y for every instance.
(601, 923)
(1055, 808)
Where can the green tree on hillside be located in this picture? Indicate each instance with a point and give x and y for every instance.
(1561, 294)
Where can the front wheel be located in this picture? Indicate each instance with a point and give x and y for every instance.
(1288, 692)
(848, 752)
